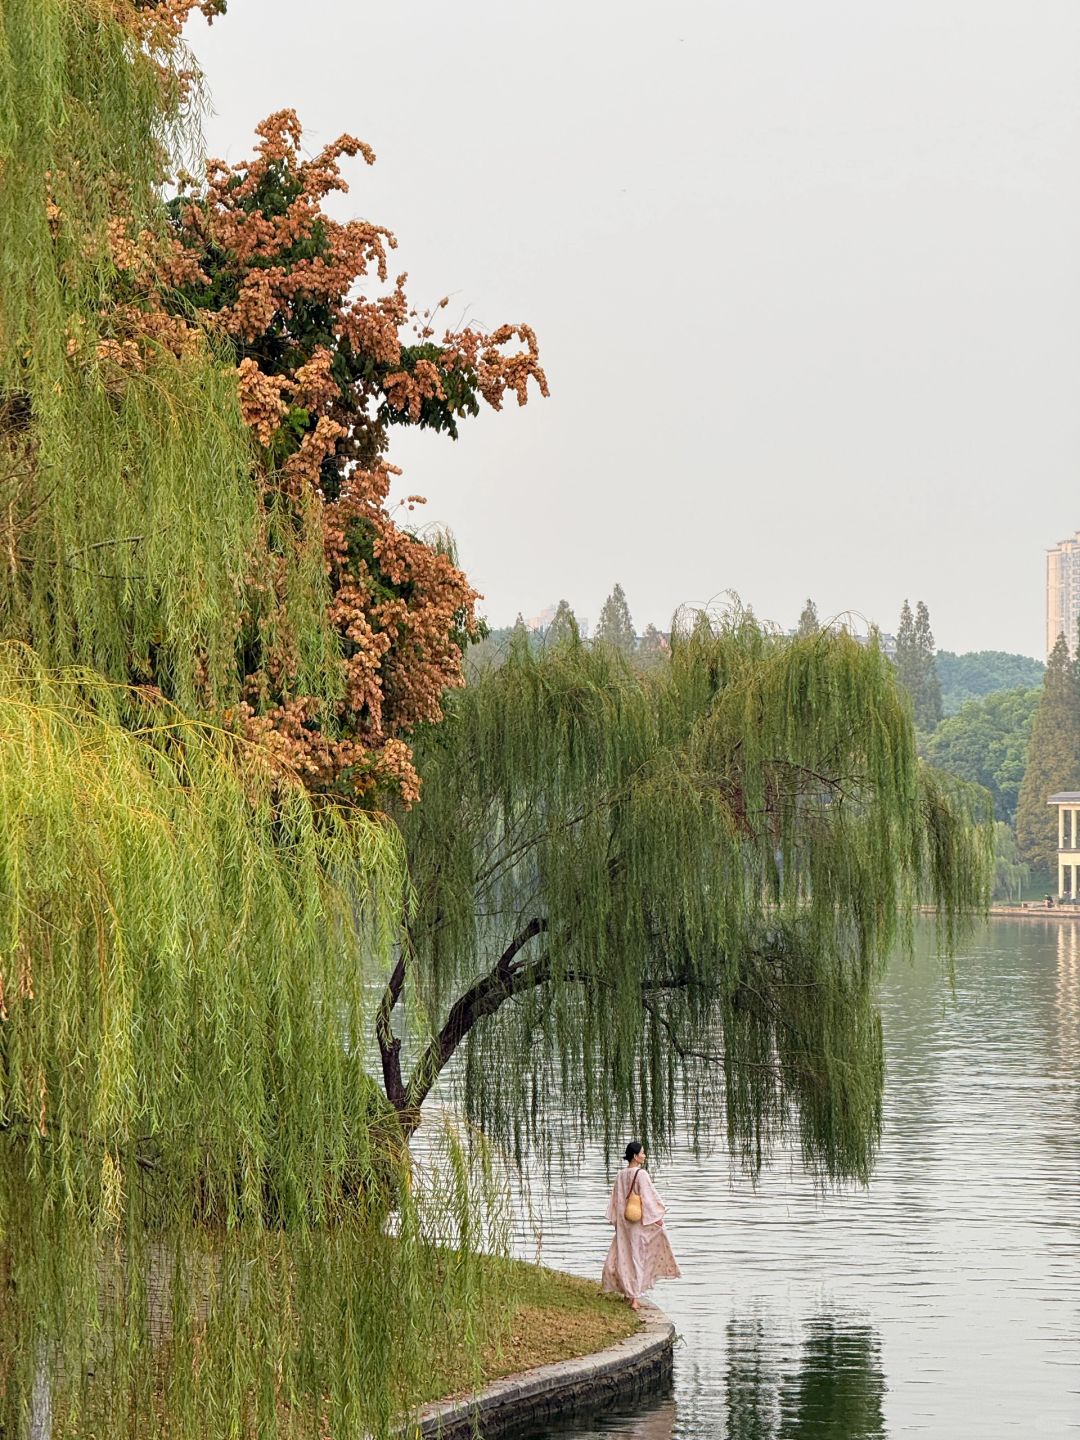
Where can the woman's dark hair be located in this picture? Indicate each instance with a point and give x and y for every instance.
(634, 1148)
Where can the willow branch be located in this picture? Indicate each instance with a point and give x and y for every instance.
(709, 1057)
(389, 1044)
(501, 983)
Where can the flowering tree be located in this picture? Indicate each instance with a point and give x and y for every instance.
(330, 356)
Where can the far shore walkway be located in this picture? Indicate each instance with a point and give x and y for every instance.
(1035, 910)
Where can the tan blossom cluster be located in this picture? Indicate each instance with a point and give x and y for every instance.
(261, 400)
(278, 251)
(496, 372)
(158, 23)
(255, 256)
(319, 401)
(397, 612)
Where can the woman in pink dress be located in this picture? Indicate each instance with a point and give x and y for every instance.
(640, 1254)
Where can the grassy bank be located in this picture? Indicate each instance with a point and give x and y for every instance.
(555, 1317)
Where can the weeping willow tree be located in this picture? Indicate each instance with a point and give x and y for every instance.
(131, 519)
(208, 1220)
(655, 901)
(195, 1169)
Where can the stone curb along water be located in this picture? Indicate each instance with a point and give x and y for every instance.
(643, 1361)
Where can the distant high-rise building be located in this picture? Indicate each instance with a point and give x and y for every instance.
(1063, 592)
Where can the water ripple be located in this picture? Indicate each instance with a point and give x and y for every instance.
(942, 1301)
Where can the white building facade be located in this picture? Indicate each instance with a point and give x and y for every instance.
(1068, 851)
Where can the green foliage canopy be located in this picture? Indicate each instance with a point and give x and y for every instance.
(1053, 761)
(1010, 872)
(684, 880)
(195, 1169)
(986, 742)
(976, 673)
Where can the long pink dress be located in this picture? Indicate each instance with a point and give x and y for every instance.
(640, 1254)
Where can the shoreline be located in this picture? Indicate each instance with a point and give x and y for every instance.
(1033, 912)
(1015, 912)
(643, 1361)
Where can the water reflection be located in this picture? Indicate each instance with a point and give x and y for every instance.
(650, 1420)
(657, 1424)
(840, 1387)
(835, 1391)
(946, 1293)
(1068, 988)
(752, 1398)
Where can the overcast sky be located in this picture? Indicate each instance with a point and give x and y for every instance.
(805, 273)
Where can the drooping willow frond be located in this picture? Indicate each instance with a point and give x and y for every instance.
(667, 897)
(195, 1170)
(208, 1221)
(141, 545)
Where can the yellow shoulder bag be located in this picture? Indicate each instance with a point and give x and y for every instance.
(632, 1209)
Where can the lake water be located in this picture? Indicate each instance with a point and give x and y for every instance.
(943, 1301)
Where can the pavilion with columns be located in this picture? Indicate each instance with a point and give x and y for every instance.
(1068, 852)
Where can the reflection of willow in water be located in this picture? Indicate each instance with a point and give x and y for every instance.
(656, 1424)
(835, 1391)
(1068, 989)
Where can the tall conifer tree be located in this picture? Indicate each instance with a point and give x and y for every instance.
(564, 625)
(808, 620)
(615, 626)
(906, 667)
(915, 667)
(928, 708)
(1053, 762)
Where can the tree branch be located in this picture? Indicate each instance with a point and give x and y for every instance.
(708, 1057)
(389, 1044)
(501, 983)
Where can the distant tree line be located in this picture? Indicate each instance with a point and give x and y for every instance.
(1004, 721)
(615, 629)
(983, 672)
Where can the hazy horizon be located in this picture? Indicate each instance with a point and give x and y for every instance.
(804, 279)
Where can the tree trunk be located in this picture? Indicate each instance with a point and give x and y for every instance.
(41, 1396)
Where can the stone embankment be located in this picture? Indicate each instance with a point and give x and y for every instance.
(1034, 911)
(640, 1363)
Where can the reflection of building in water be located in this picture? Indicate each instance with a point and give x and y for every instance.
(1068, 987)
(1068, 851)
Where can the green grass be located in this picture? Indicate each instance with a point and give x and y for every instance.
(554, 1317)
